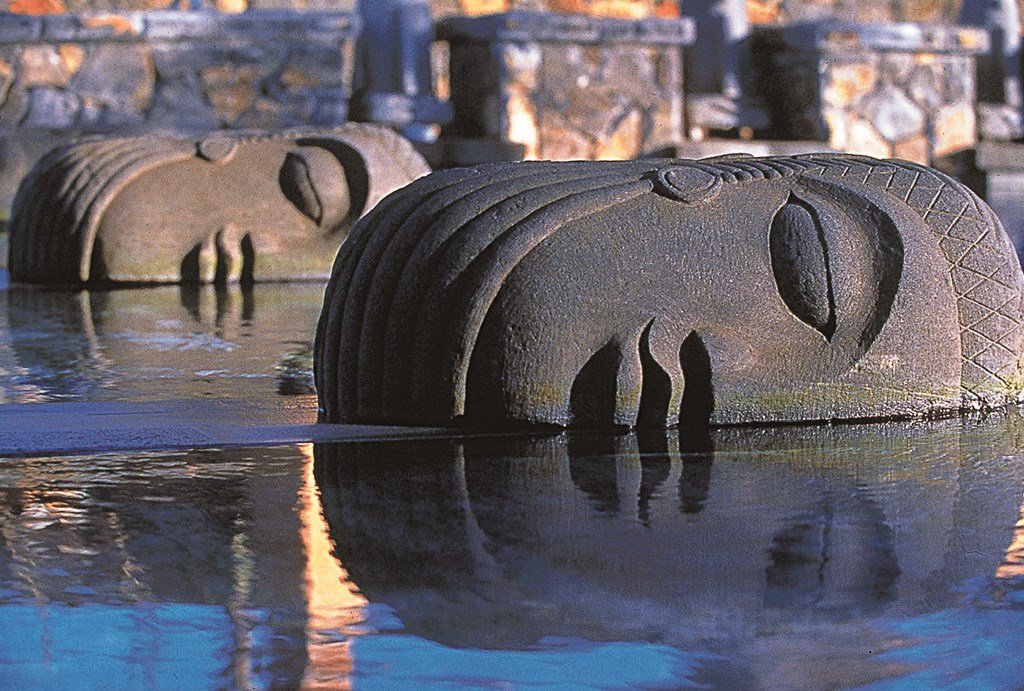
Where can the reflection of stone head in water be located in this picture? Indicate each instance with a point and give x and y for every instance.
(731, 290)
(607, 536)
(233, 206)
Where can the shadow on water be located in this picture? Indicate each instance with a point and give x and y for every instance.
(777, 548)
(156, 342)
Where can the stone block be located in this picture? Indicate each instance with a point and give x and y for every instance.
(179, 106)
(861, 137)
(955, 129)
(133, 88)
(648, 293)
(892, 114)
(870, 87)
(19, 28)
(93, 26)
(42, 66)
(181, 26)
(227, 207)
(49, 107)
(189, 71)
(314, 66)
(14, 108)
(230, 89)
(850, 81)
(568, 85)
(275, 113)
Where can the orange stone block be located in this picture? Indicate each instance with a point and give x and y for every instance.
(37, 7)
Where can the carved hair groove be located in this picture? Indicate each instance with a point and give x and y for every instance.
(419, 275)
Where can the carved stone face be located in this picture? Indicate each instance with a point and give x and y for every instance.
(227, 208)
(729, 291)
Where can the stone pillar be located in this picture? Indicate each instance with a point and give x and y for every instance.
(568, 86)
(1002, 169)
(393, 75)
(718, 79)
(999, 87)
(885, 90)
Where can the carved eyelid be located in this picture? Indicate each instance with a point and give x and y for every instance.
(846, 291)
(801, 265)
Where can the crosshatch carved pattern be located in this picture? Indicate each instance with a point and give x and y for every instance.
(981, 264)
(426, 266)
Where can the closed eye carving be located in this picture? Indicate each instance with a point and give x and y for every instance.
(800, 264)
(837, 260)
(314, 181)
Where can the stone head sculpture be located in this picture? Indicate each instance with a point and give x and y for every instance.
(729, 290)
(232, 206)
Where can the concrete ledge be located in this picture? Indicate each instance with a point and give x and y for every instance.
(544, 27)
(829, 36)
(51, 428)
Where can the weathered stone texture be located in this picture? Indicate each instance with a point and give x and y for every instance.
(724, 291)
(873, 89)
(568, 87)
(189, 71)
(228, 207)
(773, 11)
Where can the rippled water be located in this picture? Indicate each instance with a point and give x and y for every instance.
(878, 556)
(801, 558)
(156, 343)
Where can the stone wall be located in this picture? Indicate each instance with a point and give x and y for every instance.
(174, 70)
(568, 87)
(41, 7)
(900, 90)
(765, 11)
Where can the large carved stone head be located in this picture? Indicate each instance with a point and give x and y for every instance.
(232, 206)
(726, 290)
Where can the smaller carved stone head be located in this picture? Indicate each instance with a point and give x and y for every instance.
(232, 206)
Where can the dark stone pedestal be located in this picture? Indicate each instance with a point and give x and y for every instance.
(1002, 168)
(885, 90)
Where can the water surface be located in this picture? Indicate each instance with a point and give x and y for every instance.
(859, 556)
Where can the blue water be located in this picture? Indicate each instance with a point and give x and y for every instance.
(807, 558)
(881, 556)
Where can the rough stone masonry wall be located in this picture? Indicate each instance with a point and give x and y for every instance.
(96, 72)
(882, 90)
(568, 87)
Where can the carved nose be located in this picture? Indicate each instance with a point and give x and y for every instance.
(653, 382)
(676, 389)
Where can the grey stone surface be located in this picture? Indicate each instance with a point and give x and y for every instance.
(999, 69)
(49, 107)
(131, 90)
(228, 207)
(885, 90)
(568, 87)
(730, 290)
(121, 66)
(1002, 168)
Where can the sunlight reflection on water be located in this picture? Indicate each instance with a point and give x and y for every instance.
(806, 557)
(882, 556)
